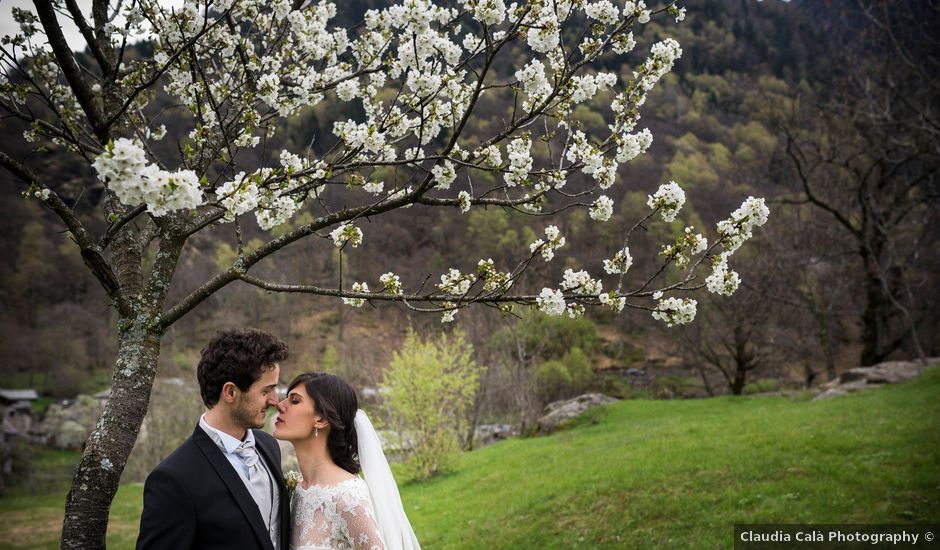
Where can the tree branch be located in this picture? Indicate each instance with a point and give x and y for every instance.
(73, 73)
(91, 254)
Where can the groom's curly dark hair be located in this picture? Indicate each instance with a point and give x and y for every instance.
(238, 356)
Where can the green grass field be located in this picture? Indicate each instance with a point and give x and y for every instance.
(652, 474)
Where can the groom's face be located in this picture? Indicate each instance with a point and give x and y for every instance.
(251, 406)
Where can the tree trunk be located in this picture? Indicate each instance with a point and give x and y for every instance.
(740, 376)
(107, 449)
(873, 319)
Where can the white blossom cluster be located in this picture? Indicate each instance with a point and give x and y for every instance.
(674, 311)
(534, 83)
(463, 202)
(374, 187)
(488, 12)
(493, 280)
(357, 302)
(687, 245)
(238, 196)
(392, 283)
(620, 263)
(455, 282)
(733, 232)
(611, 300)
(551, 302)
(630, 146)
(603, 11)
(604, 170)
(520, 160)
(135, 181)
(737, 229)
(580, 282)
(451, 311)
(553, 241)
(346, 232)
(444, 174)
(722, 280)
(669, 199)
(602, 209)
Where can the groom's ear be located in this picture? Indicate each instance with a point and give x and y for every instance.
(229, 392)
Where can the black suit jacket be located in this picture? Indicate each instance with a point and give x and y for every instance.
(195, 499)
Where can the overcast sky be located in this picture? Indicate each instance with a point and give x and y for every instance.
(9, 27)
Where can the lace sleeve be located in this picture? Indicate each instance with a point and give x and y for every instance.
(360, 519)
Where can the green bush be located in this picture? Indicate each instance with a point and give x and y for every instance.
(430, 387)
(565, 377)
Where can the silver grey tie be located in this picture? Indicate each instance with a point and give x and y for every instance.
(249, 454)
(260, 487)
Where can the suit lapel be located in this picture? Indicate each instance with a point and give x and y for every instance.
(234, 483)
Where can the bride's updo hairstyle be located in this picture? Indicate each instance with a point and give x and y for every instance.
(336, 401)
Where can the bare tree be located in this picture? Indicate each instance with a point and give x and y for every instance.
(864, 151)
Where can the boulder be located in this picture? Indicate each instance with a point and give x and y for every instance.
(486, 434)
(560, 412)
(860, 378)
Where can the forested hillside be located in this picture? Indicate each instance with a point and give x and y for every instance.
(752, 87)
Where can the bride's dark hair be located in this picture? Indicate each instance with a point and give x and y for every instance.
(336, 401)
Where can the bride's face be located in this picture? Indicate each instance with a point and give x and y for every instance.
(297, 418)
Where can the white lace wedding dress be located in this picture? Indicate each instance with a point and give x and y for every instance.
(334, 517)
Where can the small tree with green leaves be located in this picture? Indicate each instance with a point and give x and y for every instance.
(430, 388)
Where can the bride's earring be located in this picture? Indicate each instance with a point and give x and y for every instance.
(316, 432)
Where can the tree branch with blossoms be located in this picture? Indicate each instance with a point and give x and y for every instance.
(417, 75)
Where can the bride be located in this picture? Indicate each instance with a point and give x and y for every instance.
(332, 506)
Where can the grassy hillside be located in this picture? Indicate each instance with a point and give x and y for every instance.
(653, 474)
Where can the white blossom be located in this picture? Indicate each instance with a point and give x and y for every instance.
(552, 242)
(392, 283)
(374, 187)
(620, 263)
(611, 300)
(357, 302)
(346, 233)
(603, 11)
(722, 280)
(493, 280)
(520, 160)
(125, 168)
(444, 174)
(348, 90)
(737, 229)
(669, 198)
(463, 202)
(551, 302)
(580, 282)
(455, 282)
(602, 209)
(674, 311)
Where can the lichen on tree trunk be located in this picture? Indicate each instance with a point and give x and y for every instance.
(107, 449)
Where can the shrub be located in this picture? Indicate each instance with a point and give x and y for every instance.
(430, 387)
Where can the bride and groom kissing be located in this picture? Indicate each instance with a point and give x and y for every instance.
(223, 488)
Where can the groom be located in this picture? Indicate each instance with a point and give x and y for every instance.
(223, 487)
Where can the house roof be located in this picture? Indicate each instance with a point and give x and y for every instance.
(18, 395)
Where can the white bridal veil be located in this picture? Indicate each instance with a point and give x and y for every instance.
(389, 513)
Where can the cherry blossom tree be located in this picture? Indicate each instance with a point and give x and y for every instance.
(416, 72)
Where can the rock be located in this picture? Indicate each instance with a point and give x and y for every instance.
(486, 434)
(69, 435)
(833, 392)
(860, 378)
(559, 412)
